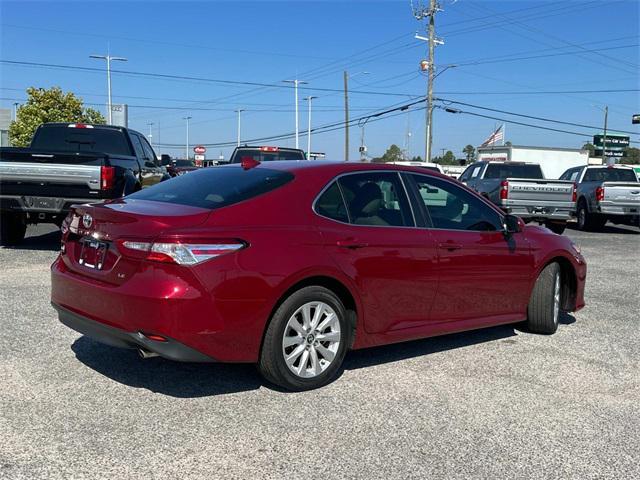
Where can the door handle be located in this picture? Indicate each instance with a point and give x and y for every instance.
(450, 246)
(351, 244)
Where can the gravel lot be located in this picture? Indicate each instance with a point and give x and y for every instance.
(495, 403)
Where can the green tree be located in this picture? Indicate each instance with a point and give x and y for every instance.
(417, 159)
(470, 153)
(448, 159)
(393, 154)
(52, 105)
(591, 147)
(631, 155)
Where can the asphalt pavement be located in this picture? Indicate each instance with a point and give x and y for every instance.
(493, 403)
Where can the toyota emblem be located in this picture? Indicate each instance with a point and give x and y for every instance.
(87, 220)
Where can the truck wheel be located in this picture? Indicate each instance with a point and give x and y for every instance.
(544, 306)
(556, 227)
(306, 340)
(12, 229)
(589, 221)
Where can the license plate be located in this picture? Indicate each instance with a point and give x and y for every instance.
(42, 203)
(92, 254)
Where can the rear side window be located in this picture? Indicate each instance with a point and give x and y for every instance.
(505, 170)
(376, 198)
(331, 204)
(96, 140)
(215, 187)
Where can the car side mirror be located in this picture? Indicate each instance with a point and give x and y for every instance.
(165, 159)
(512, 224)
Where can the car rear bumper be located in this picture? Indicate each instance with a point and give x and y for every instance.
(44, 205)
(630, 209)
(169, 348)
(550, 213)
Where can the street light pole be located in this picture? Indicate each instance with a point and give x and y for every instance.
(296, 82)
(150, 133)
(186, 150)
(604, 137)
(309, 98)
(239, 111)
(346, 111)
(109, 59)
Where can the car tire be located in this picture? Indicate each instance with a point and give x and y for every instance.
(588, 221)
(12, 229)
(543, 311)
(556, 227)
(292, 357)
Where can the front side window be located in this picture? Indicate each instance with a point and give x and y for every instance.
(376, 198)
(453, 208)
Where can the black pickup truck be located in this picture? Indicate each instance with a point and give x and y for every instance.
(266, 154)
(69, 163)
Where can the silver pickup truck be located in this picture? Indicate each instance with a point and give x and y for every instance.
(521, 189)
(605, 193)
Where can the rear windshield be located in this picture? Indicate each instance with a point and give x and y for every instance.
(215, 187)
(184, 163)
(66, 139)
(505, 170)
(262, 156)
(610, 175)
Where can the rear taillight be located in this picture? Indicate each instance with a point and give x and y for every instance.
(504, 190)
(182, 253)
(600, 194)
(574, 194)
(107, 178)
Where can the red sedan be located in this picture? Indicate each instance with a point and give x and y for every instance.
(291, 264)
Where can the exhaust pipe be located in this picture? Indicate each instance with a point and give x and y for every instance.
(146, 354)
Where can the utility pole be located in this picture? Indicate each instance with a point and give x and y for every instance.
(309, 98)
(420, 12)
(186, 148)
(296, 82)
(239, 111)
(604, 137)
(109, 59)
(346, 116)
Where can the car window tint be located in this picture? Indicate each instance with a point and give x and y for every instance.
(215, 187)
(331, 204)
(376, 198)
(508, 170)
(61, 138)
(137, 146)
(466, 174)
(453, 208)
(148, 151)
(606, 174)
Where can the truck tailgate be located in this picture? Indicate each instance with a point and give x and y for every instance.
(539, 192)
(621, 198)
(49, 180)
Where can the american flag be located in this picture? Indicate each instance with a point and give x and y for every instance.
(495, 137)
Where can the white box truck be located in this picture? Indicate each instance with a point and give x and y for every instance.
(553, 161)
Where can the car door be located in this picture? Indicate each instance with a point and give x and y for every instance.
(483, 273)
(369, 231)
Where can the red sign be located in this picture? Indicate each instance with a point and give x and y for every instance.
(199, 149)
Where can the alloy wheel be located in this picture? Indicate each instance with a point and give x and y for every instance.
(311, 339)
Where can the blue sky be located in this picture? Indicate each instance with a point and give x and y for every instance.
(268, 42)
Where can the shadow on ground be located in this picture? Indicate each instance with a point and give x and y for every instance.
(609, 228)
(45, 241)
(192, 380)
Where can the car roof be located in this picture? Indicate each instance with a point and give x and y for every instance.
(337, 168)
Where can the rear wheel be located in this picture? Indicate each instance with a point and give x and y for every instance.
(306, 340)
(12, 228)
(543, 311)
(556, 227)
(589, 221)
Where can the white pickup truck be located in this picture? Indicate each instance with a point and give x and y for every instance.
(605, 193)
(521, 189)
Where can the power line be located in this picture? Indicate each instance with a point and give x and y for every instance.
(543, 119)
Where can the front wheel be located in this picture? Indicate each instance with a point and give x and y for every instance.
(306, 340)
(543, 311)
